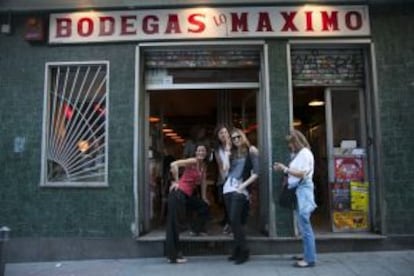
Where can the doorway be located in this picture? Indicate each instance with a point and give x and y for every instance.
(178, 116)
(182, 89)
(333, 120)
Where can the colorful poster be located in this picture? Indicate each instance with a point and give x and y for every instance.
(359, 196)
(351, 220)
(340, 196)
(349, 168)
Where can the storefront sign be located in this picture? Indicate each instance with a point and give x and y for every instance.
(199, 23)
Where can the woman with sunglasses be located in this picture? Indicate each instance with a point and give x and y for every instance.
(182, 195)
(243, 172)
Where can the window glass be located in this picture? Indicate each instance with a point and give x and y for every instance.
(76, 125)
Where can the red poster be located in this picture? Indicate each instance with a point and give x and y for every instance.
(349, 168)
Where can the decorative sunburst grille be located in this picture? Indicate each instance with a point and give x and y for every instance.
(76, 123)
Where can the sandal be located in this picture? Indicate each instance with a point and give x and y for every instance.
(304, 264)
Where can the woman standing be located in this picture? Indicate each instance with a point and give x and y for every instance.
(300, 173)
(181, 195)
(243, 172)
(222, 156)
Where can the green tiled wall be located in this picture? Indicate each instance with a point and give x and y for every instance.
(25, 207)
(394, 44)
(279, 104)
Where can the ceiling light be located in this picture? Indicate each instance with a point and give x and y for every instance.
(316, 103)
(167, 130)
(154, 119)
(297, 122)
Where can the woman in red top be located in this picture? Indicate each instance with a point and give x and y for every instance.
(182, 195)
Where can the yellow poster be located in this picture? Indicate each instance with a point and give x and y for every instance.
(359, 196)
(350, 220)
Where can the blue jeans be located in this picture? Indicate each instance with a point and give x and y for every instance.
(308, 238)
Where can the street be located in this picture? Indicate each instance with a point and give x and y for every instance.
(398, 263)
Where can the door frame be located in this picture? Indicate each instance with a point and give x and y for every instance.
(374, 153)
(328, 93)
(141, 110)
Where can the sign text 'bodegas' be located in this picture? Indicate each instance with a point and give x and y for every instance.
(198, 23)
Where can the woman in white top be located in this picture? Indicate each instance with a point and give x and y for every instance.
(300, 173)
(222, 156)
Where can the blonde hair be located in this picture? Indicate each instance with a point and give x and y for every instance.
(245, 144)
(297, 139)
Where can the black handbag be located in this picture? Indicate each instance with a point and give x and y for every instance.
(287, 197)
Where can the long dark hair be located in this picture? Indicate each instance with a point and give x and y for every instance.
(205, 160)
(217, 142)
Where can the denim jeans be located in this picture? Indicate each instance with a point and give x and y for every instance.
(308, 238)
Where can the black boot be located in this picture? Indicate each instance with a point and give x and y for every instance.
(243, 257)
(234, 255)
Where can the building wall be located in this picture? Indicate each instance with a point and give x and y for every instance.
(394, 43)
(107, 212)
(28, 209)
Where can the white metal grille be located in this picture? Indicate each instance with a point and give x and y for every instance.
(76, 124)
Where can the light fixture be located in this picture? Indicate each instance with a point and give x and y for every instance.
(316, 103)
(170, 134)
(83, 145)
(5, 27)
(153, 119)
(167, 130)
(297, 122)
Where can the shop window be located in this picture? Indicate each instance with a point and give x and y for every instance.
(75, 125)
(334, 67)
(194, 66)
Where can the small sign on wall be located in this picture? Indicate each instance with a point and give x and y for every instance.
(19, 144)
(34, 29)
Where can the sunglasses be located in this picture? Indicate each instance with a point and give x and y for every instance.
(235, 137)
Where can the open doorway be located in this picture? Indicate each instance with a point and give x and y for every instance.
(333, 120)
(309, 118)
(182, 86)
(177, 116)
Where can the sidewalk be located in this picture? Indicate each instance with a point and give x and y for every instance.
(398, 263)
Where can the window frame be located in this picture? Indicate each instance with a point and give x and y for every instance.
(44, 182)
